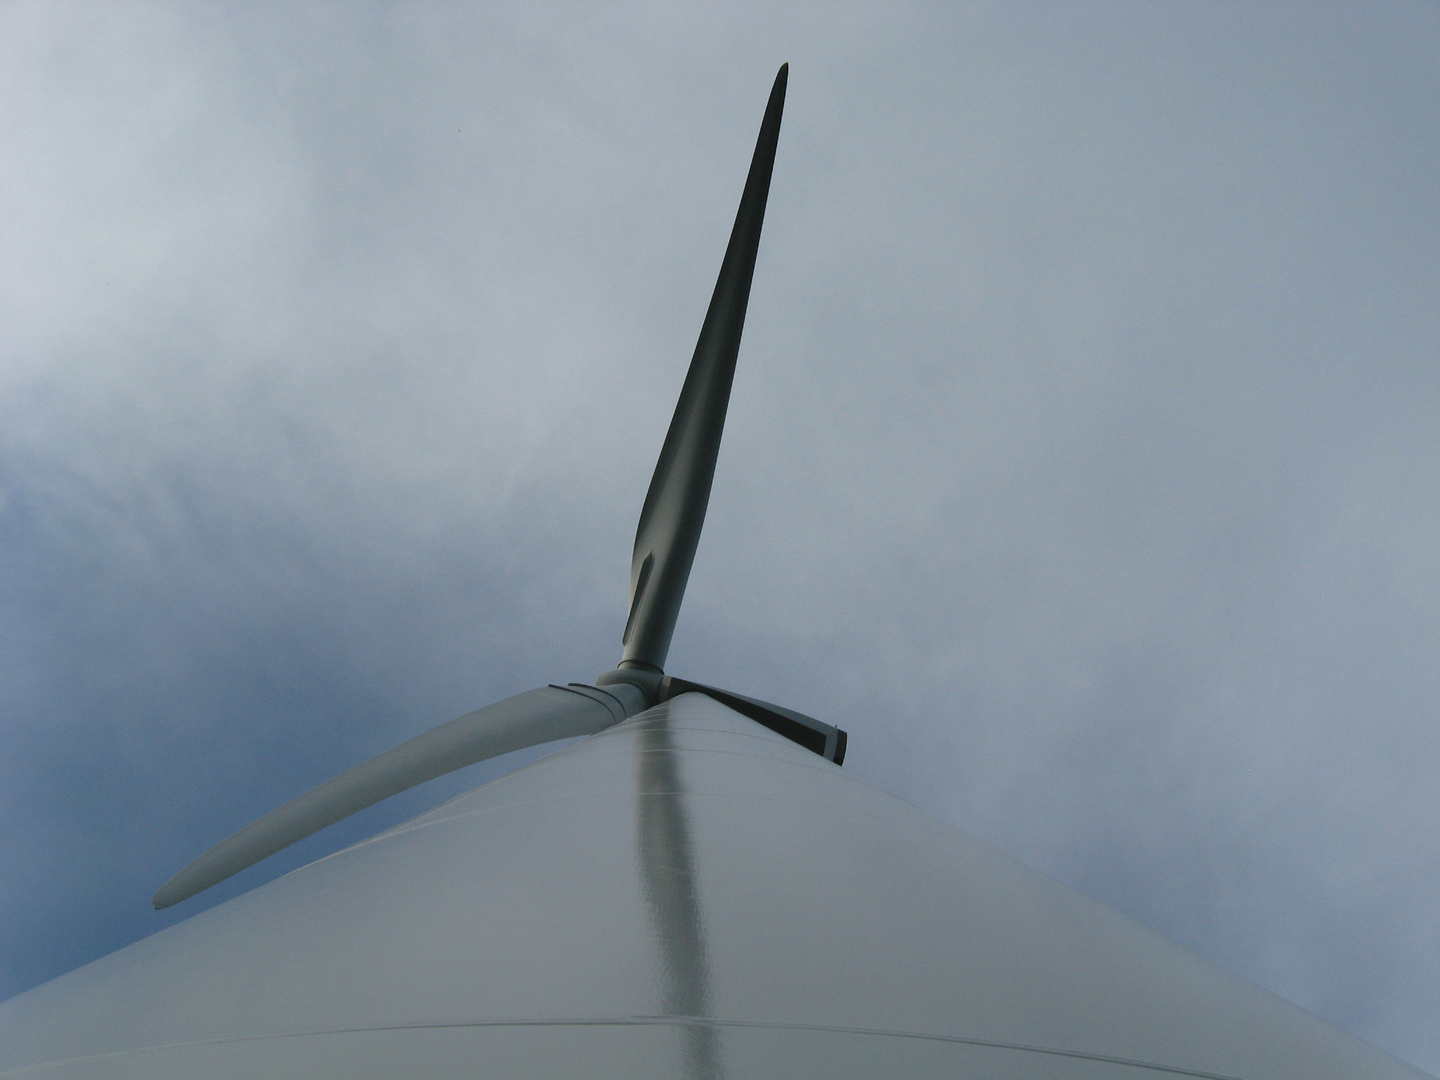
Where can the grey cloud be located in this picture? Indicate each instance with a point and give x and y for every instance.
(1081, 458)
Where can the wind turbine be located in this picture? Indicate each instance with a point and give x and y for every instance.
(697, 889)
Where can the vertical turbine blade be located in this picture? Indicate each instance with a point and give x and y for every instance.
(674, 509)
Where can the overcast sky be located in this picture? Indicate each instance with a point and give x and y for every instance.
(1083, 459)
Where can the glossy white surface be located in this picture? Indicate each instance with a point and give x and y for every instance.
(685, 894)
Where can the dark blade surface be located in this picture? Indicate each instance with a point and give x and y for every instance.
(674, 511)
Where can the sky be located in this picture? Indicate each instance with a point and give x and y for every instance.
(1083, 459)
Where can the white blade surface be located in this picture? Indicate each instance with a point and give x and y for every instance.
(683, 895)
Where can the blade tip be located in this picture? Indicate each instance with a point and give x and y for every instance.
(170, 894)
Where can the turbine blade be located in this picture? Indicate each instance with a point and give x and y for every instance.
(817, 737)
(528, 719)
(674, 510)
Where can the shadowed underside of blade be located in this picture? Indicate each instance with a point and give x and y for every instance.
(674, 510)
